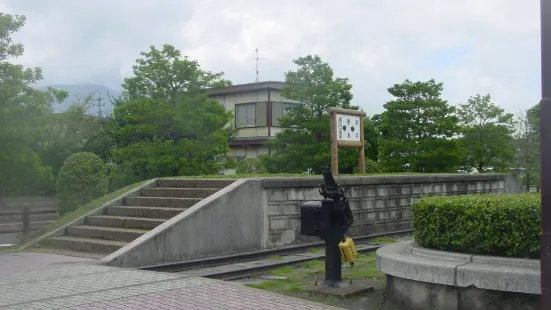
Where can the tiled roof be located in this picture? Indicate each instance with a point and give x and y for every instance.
(272, 85)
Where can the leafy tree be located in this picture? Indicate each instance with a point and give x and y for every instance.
(164, 74)
(487, 139)
(417, 128)
(527, 142)
(82, 178)
(371, 136)
(164, 128)
(67, 133)
(305, 140)
(22, 112)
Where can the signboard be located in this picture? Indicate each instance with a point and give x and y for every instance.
(348, 127)
(347, 130)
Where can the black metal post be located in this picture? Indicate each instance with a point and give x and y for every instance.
(333, 266)
(545, 150)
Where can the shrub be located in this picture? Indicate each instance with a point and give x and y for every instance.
(82, 178)
(503, 224)
(250, 166)
(371, 167)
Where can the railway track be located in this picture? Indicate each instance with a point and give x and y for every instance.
(237, 266)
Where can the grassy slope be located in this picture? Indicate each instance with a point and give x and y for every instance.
(75, 214)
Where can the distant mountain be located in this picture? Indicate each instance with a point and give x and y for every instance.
(80, 91)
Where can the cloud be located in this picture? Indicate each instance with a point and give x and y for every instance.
(472, 46)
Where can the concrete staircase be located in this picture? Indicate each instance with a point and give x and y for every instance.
(103, 234)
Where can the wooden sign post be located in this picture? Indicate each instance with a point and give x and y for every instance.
(347, 130)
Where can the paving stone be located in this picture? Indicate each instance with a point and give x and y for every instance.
(46, 282)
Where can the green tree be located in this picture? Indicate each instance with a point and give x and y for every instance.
(527, 143)
(417, 129)
(68, 132)
(22, 112)
(305, 140)
(371, 137)
(164, 74)
(164, 128)
(487, 140)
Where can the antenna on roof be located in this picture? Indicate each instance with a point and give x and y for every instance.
(257, 59)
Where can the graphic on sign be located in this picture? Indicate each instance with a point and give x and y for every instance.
(348, 127)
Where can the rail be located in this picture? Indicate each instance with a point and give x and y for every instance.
(25, 213)
(209, 262)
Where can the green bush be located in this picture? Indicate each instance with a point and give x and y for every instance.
(250, 166)
(82, 178)
(371, 167)
(503, 224)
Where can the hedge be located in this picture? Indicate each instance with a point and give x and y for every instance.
(501, 225)
(82, 178)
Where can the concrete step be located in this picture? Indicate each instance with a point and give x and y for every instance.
(104, 233)
(86, 244)
(148, 212)
(194, 183)
(163, 202)
(124, 221)
(179, 192)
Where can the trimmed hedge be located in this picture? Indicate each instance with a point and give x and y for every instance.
(82, 178)
(501, 225)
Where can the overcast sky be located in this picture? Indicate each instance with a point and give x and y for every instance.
(472, 46)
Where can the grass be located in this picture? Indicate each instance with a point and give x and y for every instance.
(74, 215)
(383, 240)
(294, 277)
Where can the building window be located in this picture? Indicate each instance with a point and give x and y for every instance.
(245, 115)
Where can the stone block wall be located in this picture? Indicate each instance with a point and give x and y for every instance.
(379, 203)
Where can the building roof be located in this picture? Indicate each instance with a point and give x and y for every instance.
(241, 88)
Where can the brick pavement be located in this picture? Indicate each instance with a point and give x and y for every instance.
(46, 281)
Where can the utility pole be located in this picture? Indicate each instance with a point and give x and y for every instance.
(545, 150)
(100, 104)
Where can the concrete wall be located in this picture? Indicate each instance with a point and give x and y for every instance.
(379, 203)
(232, 220)
(252, 214)
(425, 279)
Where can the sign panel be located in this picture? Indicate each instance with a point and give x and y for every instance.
(348, 128)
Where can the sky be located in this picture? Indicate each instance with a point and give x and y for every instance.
(472, 46)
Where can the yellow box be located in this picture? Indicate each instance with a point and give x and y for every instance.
(348, 250)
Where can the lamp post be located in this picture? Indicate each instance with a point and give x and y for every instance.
(545, 150)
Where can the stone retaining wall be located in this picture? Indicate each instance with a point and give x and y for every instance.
(425, 279)
(379, 203)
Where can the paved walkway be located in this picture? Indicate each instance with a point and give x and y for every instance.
(45, 281)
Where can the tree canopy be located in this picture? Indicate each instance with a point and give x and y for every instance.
(22, 111)
(164, 74)
(417, 129)
(304, 142)
(165, 125)
(486, 130)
